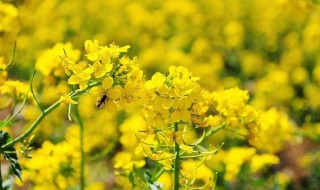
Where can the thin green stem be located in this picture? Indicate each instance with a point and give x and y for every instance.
(1, 188)
(214, 130)
(80, 123)
(176, 160)
(31, 89)
(41, 117)
(32, 127)
(158, 174)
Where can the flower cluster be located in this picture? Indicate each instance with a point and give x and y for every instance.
(117, 76)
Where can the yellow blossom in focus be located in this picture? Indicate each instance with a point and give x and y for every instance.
(81, 76)
(156, 81)
(112, 93)
(92, 48)
(180, 106)
(114, 50)
(66, 99)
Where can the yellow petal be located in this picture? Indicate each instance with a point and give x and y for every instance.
(73, 80)
(96, 91)
(108, 67)
(93, 56)
(149, 85)
(83, 85)
(107, 83)
(114, 94)
(89, 46)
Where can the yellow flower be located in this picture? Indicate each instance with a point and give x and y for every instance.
(14, 89)
(66, 99)
(180, 106)
(112, 93)
(81, 76)
(114, 50)
(92, 48)
(157, 81)
(213, 121)
(272, 130)
(230, 101)
(50, 60)
(100, 69)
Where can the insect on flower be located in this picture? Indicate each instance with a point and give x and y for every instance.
(102, 101)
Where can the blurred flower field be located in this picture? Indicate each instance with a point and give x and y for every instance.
(220, 94)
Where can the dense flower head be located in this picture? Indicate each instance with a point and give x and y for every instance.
(271, 131)
(232, 107)
(172, 97)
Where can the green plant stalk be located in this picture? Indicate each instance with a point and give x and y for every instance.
(215, 130)
(1, 188)
(41, 117)
(176, 160)
(80, 123)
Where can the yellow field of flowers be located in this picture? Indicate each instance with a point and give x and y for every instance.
(150, 94)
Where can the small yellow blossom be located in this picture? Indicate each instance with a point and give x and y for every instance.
(81, 76)
(66, 99)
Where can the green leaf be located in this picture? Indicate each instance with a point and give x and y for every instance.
(131, 179)
(10, 154)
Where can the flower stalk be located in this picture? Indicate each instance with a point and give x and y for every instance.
(176, 159)
(82, 162)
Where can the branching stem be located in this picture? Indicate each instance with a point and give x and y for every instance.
(41, 117)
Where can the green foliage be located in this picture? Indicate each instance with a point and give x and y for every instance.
(10, 154)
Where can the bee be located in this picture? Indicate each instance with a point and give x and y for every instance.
(102, 101)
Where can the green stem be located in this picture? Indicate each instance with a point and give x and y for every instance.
(80, 123)
(158, 174)
(214, 130)
(40, 118)
(176, 160)
(1, 188)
